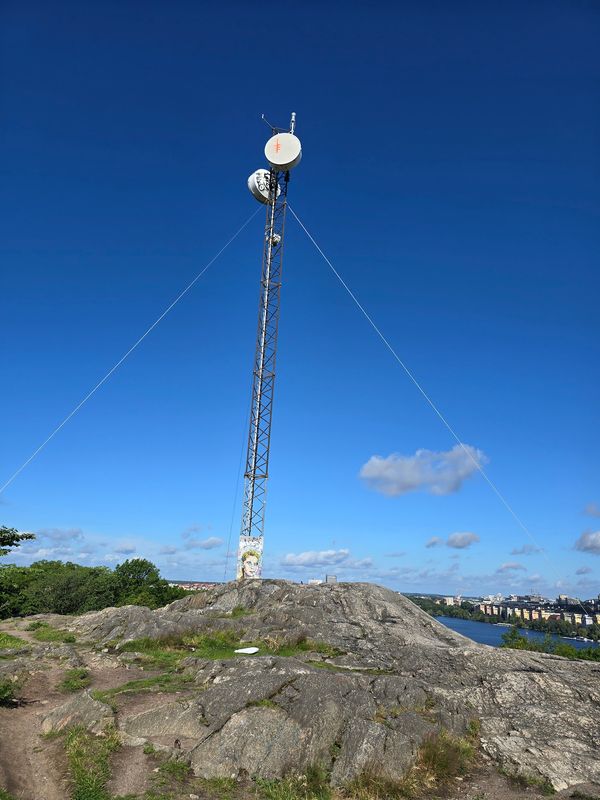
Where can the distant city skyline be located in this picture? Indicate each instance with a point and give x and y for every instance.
(451, 175)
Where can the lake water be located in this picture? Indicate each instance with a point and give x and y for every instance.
(485, 633)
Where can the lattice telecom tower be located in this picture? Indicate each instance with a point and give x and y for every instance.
(283, 152)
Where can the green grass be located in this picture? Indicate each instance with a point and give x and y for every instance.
(526, 781)
(34, 626)
(312, 786)
(88, 760)
(174, 770)
(441, 758)
(155, 653)
(221, 788)
(213, 645)
(239, 611)
(4, 795)
(166, 653)
(289, 650)
(166, 682)
(6, 641)
(74, 680)
(266, 703)
(45, 633)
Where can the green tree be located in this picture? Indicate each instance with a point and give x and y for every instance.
(10, 537)
(513, 639)
(138, 582)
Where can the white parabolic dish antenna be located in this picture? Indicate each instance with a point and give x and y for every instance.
(258, 183)
(283, 151)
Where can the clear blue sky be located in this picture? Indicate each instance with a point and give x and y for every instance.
(451, 172)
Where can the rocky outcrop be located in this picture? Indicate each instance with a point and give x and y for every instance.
(392, 676)
(81, 709)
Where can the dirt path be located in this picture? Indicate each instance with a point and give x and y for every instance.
(30, 767)
(33, 768)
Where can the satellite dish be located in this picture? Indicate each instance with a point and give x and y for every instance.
(283, 151)
(258, 183)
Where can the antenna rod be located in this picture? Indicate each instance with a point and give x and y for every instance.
(293, 122)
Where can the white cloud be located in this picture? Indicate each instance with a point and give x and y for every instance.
(592, 509)
(510, 566)
(589, 542)
(167, 551)
(50, 552)
(397, 554)
(435, 541)
(435, 472)
(61, 534)
(125, 548)
(583, 571)
(195, 528)
(315, 558)
(204, 544)
(525, 550)
(461, 540)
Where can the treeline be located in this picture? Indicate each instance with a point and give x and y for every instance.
(466, 611)
(514, 640)
(67, 588)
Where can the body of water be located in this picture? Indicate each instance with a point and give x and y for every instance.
(485, 633)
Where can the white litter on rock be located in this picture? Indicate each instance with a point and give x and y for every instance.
(247, 650)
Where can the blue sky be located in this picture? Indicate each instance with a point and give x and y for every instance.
(450, 172)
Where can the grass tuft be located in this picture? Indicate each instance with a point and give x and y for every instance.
(8, 641)
(526, 781)
(88, 759)
(266, 703)
(174, 770)
(166, 653)
(239, 611)
(166, 682)
(312, 786)
(221, 788)
(441, 758)
(74, 680)
(45, 633)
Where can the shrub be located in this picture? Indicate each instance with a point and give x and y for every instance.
(7, 692)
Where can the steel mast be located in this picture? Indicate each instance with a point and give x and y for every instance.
(283, 152)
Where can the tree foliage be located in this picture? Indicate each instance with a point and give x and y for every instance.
(68, 588)
(515, 641)
(10, 537)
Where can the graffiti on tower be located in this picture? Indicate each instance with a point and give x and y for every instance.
(249, 561)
